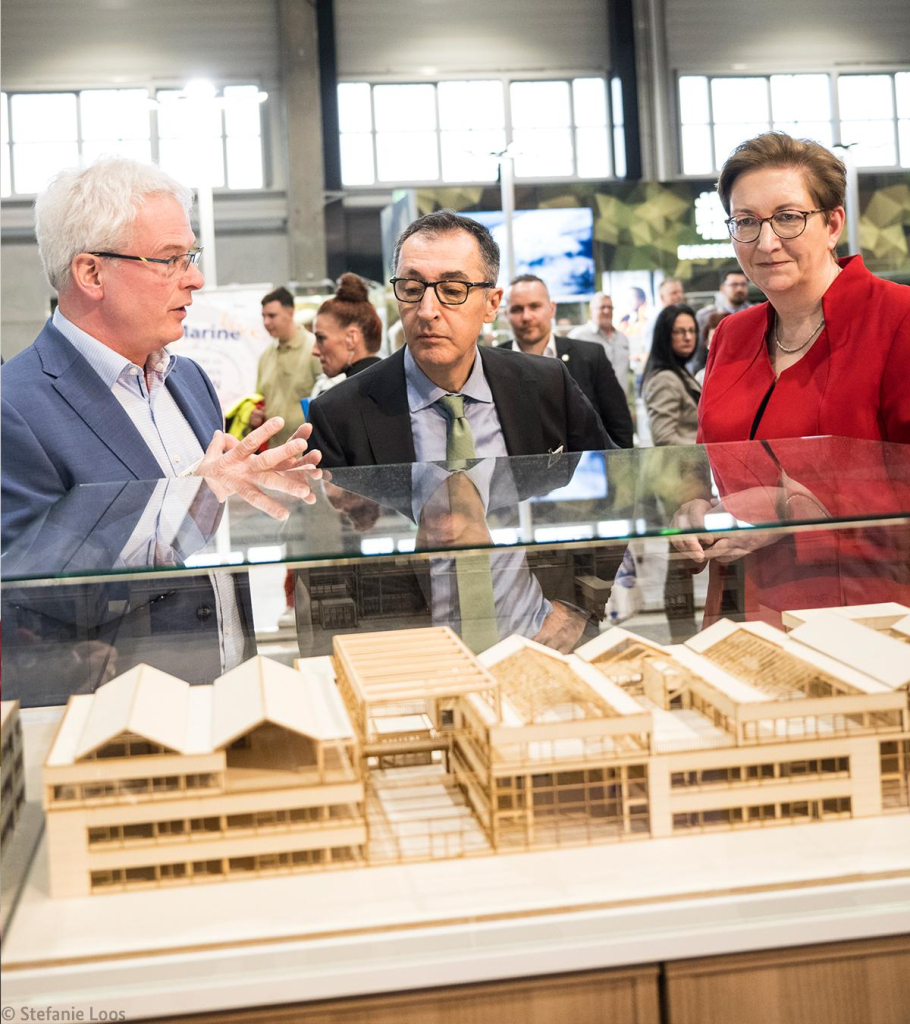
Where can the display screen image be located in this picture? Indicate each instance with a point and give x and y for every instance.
(556, 245)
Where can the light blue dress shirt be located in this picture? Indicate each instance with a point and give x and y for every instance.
(154, 412)
(428, 421)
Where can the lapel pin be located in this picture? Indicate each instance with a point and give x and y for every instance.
(565, 357)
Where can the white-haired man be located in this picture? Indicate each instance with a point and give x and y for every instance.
(97, 398)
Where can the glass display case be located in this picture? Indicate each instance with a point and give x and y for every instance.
(585, 811)
(162, 573)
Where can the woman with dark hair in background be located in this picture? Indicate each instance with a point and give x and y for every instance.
(670, 392)
(348, 333)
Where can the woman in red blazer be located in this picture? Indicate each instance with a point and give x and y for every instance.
(828, 353)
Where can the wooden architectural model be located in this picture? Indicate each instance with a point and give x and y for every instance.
(12, 770)
(424, 751)
(151, 781)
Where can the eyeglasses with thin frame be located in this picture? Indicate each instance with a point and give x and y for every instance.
(784, 224)
(449, 293)
(178, 264)
(681, 332)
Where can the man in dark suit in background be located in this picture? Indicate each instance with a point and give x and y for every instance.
(530, 311)
(446, 267)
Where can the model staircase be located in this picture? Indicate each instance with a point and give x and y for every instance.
(418, 813)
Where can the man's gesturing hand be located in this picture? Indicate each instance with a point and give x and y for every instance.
(233, 467)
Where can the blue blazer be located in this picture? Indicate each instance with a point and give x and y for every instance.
(63, 427)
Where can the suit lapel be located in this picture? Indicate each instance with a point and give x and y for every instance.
(387, 417)
(517, 402)
(92, 401)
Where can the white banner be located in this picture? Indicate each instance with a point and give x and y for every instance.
(223, 333)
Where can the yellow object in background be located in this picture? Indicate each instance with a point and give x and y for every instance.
(237, 418)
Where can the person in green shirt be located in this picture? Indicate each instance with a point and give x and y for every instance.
(286, 371)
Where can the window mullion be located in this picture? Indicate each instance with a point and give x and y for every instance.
(836, 133)
(78, 96)
(374, 133)
(711, 122)
(440, 177)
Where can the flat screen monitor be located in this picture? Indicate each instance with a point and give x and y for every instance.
(556, 245)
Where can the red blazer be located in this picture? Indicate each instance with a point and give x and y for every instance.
(853, 382)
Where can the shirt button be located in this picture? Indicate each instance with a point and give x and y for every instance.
(176, 458)
(134, 371)
(160, 367)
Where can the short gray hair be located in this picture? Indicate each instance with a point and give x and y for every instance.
(443, 222)
(91, 209)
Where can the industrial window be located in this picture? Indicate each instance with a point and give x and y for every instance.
(453, 131)
(868, 113)
(44, 132)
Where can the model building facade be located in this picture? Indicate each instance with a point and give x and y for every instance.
(150, 781)
(12, 771)
(406, 746)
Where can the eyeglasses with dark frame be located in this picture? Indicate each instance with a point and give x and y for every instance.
(180, 263)
(784, 224)
(449, 293)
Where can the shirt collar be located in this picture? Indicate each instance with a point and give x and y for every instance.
(108, 364)
(422, 392)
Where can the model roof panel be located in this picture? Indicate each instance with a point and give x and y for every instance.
(144, 701)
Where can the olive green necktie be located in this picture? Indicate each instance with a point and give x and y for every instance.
(459, 439)
(473, 577)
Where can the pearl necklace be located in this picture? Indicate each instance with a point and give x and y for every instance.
(798, 348)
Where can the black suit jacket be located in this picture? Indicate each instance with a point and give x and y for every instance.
(589, 367)
(366, 421)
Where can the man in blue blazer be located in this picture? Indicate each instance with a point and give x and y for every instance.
(97, 398)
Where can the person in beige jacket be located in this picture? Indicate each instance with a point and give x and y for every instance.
(287, 371)
(670, 392)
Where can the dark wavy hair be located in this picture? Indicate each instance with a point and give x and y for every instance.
(662, 356)
(351, 305)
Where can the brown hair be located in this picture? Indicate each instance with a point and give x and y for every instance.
(281, 295)
(714, 319)
(351, 305)
(825, 175)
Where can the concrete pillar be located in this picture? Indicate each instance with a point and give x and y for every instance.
(303, 115)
